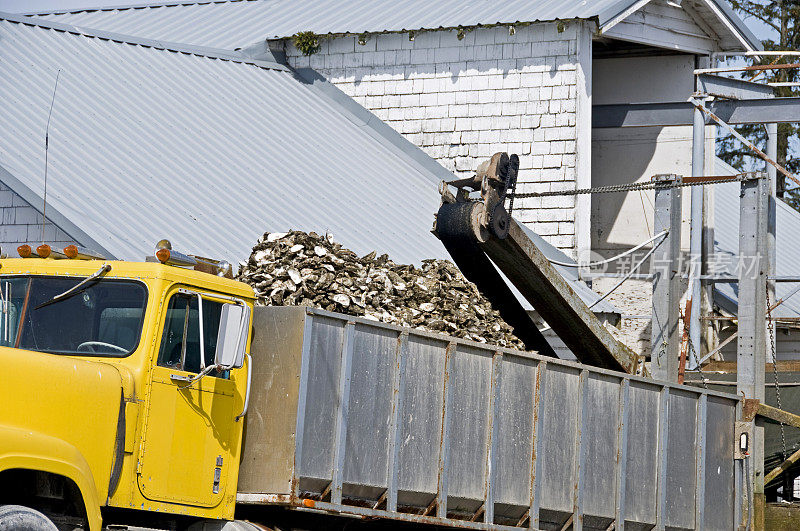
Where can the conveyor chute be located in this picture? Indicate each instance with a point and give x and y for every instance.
(480, 233)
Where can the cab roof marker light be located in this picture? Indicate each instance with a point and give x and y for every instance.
(24, 250)
(46, 251)
(167, 256)
(82, 253)
(43, 251)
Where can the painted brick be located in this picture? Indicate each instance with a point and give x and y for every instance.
(484, 36)
(449, 38)
(565, 120)
(449, 124)
(547, 229)
(301, 62)
(506, 65)
(562, 242)
(317, 61)
(439, 111)
(390, 41)
(426, 99)
(470, 137)
(428, 39)
(345, 45)
(551, 161)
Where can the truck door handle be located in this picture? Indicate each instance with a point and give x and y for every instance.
(179, 378)
(247, 391)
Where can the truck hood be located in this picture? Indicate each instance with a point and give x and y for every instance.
(73, 400)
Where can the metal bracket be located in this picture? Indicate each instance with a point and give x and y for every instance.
(667, 178)
(750, 409)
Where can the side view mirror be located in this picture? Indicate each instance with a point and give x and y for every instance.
(232, 336)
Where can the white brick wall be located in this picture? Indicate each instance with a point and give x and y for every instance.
(463, 100)
(21, 223)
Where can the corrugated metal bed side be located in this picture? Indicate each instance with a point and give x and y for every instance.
(387, 421)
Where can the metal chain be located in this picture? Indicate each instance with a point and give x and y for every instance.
(511, 193)
(625, 188)
(697, 360)
(771, 329)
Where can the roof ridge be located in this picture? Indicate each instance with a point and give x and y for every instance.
(121, 7)
(200, 51)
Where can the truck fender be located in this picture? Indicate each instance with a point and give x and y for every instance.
(27, 450)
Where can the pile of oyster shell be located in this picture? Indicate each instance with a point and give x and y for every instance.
(307, 269)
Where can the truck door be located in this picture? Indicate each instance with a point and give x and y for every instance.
(190, 424)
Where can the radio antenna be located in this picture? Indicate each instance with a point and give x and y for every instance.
(46, 149)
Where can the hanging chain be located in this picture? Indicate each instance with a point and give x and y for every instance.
(629, 187)
(697, 360)
(771, 330)
(512, 192)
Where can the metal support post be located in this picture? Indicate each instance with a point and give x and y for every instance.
(772, 173)
(751, 348)
(696, 231)
(665, 341)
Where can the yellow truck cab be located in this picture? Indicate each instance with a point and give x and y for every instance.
(124, 388)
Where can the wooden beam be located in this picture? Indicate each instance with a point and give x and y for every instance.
(778, 415)
(782, 468)
(730, 366)
(552, 297)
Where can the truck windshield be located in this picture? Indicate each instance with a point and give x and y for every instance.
(102, 318)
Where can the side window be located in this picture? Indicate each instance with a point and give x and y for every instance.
(180, 342)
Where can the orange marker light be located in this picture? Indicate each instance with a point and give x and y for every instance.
(163, 255)
(71, 251)
(309, 503)
(24, 250)
(43, 250)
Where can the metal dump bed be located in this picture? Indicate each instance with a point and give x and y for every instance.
(353, 416)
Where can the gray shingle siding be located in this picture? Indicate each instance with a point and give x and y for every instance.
(22, 223)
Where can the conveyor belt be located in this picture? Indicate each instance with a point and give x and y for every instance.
(532, 274)
(453, 227)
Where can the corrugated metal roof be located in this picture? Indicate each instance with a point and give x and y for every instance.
(235, 24)
(726, 245)
(151, 140)
(148, 143)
